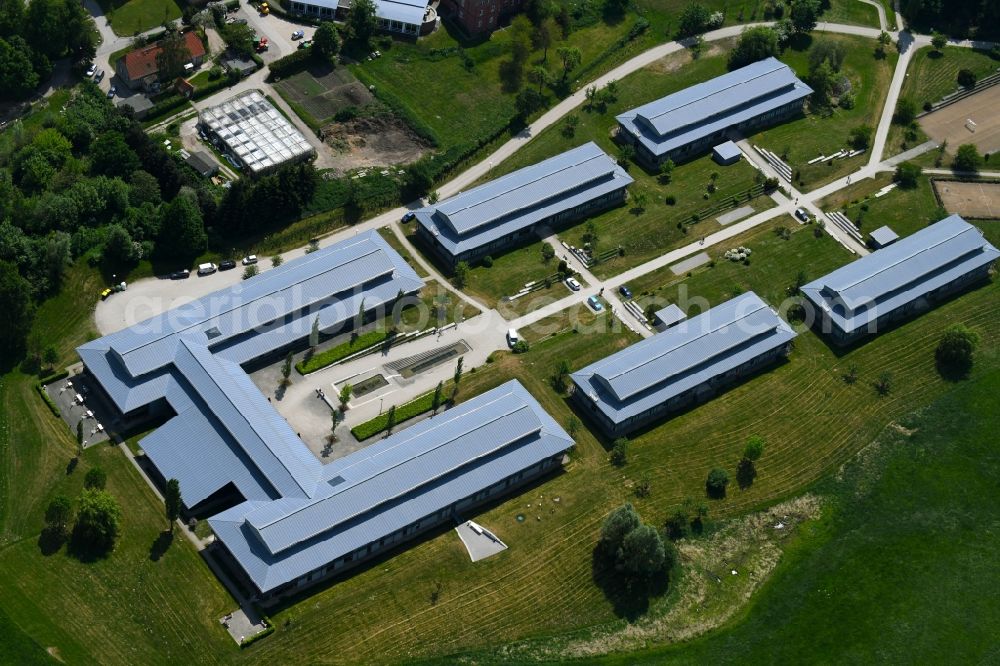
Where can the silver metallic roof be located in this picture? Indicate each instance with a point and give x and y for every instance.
(652, 371)
(858, 293)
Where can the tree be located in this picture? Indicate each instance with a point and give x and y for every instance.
(804, 14)
(95, 479)
(240, 38)
(884, 383)
(906, 112)
(172, 502)
(716, 483)
(527, 102)
(119, 251)
(436, 400)
(326, 40)
(966, 78)
(539, 76)
(618, 525)
(111, 156)
(250, 271)
(547, 252)
(641, 554)
(182, 232)
(79, 439)
(458, 371)
(829, 50)
(18, 311)
(98, 518)
(754, 44)
(908, 175)
(570, 57)
(861, 137)
(58, 515)
(822, 80)
(694, 20)
(286, 370)
(172, 57)
(335, 417)
(544, 36)
(619, 452)
(954, 353)
(461, 274)
(314, 333)
(754, 448)
(345, 396)
(884, 39)
(967, 158)
(390, 420)
(639, 200)
(17, 76)
(666, 170)
(361, 21)
(277, 260)
(938, 41)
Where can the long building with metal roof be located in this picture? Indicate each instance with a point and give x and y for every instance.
(286, 518)
(900, 280)
(685, 124)
(681, 366)
(390, 492)
(505, 212)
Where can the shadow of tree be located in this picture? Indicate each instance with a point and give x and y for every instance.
(953, 372)
(629, 597)
(71, 465)
(51, 540)
(85, 551)
(161, 545)
(746, 472)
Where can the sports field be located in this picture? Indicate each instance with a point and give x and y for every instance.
(972, 200)
(972, 120)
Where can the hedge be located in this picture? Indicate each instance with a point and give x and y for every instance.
(269, 629)
(404, 412)
(293, 63)
(334, 354)
(40, 387)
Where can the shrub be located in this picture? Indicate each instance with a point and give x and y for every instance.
(670, 200)
(619, 452)
(407, 410)
(754, 448)
(954, 353)
(334, 354)
(907, 175)
(487, 261)
(95, 479)
(715, 484)
(966, 78)
(967, 158)
(520, 347)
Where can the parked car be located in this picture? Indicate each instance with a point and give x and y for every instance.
(180, 275)
(595, 303)
(250, 259)
(407, 216)
(512, 337)
(802, 214)
(207, 269)
(99, 76)
(232, 162)
(111, 93)
(264, 9)
(306, 44)
(105, 294)
(227, 265)
(573, 284)
(262, 45)
(91, 70)
(298, 34)
(625, 291)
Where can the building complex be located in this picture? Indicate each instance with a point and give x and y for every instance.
(900, 280)
(140, 69)
(283, 517)
(682, 366)
(404, 17)
(506, 212)
(686, 124)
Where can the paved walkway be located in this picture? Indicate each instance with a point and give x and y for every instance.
(882, 21)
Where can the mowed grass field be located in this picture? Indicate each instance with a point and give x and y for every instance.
(853, 12)
(136, 16)
(823, 134)
(904, 211)
(898, 564)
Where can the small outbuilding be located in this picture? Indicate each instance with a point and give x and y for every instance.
(668, 316)
(726, 153)
(883, 236)
(202, 163)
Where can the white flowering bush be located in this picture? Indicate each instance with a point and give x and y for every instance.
(738, 253)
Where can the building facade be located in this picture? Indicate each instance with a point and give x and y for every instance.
(506, 212)
(410, 18)
(682, 366)
(899, 281)
(481, 16)
(686, 124)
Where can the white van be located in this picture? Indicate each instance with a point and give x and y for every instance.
(207, 269)
(512, 337)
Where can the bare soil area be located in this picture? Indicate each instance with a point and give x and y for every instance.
(952, 124)
(975, 200)
(374, 141)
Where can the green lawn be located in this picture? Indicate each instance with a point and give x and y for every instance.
(509, 273)
(814, 135)
(905, 211)
(135, 16)
(898, 564)
(394, 243)
(854, 12)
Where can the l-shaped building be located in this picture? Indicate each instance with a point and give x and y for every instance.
(684, 365)
(505, 212)
(900, 280)
(285, 519)
(687, 123)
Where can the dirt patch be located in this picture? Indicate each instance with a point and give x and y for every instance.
(952, 123)
(374, 141)
(323, 92)
(975, 200)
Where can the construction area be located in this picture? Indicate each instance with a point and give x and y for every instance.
(970, 200)
(253, 134)
(972, 119)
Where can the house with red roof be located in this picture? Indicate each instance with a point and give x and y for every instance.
(139, 69)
